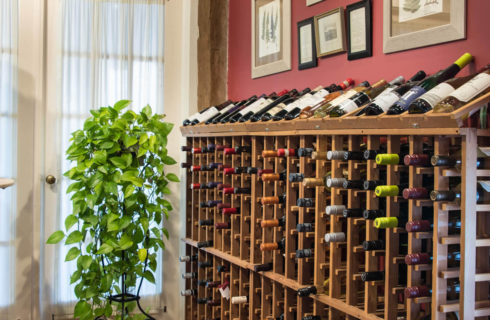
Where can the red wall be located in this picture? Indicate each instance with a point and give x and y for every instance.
(337, 68)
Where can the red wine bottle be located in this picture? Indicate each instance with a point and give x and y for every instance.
(225, 117)
(208, 114)
(277, 109)
(232, 118)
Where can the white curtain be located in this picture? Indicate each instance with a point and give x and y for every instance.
(8, 148)
(111, 50)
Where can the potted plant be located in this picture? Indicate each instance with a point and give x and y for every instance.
(118, 194)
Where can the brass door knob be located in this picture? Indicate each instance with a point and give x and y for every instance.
(50, 179)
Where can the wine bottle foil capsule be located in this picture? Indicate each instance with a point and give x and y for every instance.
(415, 193)
(335, 155)
(335, 237)
(418, 226)
(335, 210)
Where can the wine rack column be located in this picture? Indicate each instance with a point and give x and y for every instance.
(218, 177)
(277, 300)
(245, 203)
(353, 227)
(372, 203)
(195, 192)
(290, 266)
(226, 235)
(321, 257)
(469, 212)
(392, 236)
(440, 250)
(236, 201)
(257, 309)
(281, 165)
(335, 226)
(255, 208)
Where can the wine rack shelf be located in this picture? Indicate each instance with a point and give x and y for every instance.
(337, 268)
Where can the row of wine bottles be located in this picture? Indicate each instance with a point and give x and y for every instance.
(440, 92)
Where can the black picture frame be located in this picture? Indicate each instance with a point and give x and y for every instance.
(368, 51)
(314, 61)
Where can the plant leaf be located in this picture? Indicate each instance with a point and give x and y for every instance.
(172, 177)
(148, 275)
(104, 249)
(125, 242)
(129, 141)
(82, 308)
(72, 254)
(121, 104)
(142, 254)
(85, 262)
(100, 157)
(70, 221)
(118, 162)
(55, 237)
(74, 237)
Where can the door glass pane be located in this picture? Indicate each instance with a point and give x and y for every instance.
(8, 148)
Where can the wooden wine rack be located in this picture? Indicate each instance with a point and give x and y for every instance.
(273, 293)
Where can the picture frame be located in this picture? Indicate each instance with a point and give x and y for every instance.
(312, 2)
(409, 24)
(306, 44)
(271, 37)
(359, 30)
(330, 32)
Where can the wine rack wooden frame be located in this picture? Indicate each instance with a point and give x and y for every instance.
(273, 293)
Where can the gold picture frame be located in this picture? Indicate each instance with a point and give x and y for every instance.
(271, 37)
(330, 32)
(409, 24)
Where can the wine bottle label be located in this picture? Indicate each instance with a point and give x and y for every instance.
(386, 100)
(276, 109)
(485, 185)
(252, 106)
(311, 102)
(194, 116)
(439, 92)
(343, 97)
(410, 96)
(225, 292)
(225, 110)
(472, 88)
(296, 103)
(260, 106)
(352, 104)
(211, 112)
(321, 93)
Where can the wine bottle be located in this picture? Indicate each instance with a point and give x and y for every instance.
(428, 100)
(353, 184)
(189, 275)
(306, 291)
(373, 214)
(210, 113)
(230, 211)
(453, 291)
(335, 237)
(273, 223)
(263, 267)
(390, 191)
(222, 268)
(309, 100)
(358, 99)
(391, 95)
(189, 120)
(281, 152)
(305, 202)
(264, 108)
(274, 176)
(203, 300)
(319, 155)
(323, 110)
(480, 84)
(214, 303)
(416, 193)
(313, 182)
(236, 170)
(312, 317)
(305, 152)
(402, 105)
(239, 300)
(304, 253)
(305, 227)
(257, 105)
(205, 244)
(213, 284)
(426, 226)
(452, 162)
(296, 177)
(188, 292)
(223, 111)
(372, 276)
(335, 210)
(282, 107)
(373, 245)
(204, 264)
(389, 222)
(188, 258)
(273, 200)
(202, 283)
(353, 155)
(238, 150)
(280, 245)
(231, 113)
(353, 213)
(335, 155)
(236, 190)
(222, 225)
(412, 259)
(417, 160)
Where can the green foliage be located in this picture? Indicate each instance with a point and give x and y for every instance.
(118, 188)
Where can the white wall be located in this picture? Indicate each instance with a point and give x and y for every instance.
(180, 88)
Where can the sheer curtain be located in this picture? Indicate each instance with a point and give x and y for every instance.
(111, 50)
(8, 148)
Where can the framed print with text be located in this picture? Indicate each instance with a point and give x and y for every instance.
(306, 44)
(409, 24)
(271, 37)
(359, 30)
(330, 32)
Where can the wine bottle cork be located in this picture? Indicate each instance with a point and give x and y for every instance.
(269, 246)
(269, 223)
(269, 200)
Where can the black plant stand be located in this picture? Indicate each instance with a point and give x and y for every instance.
(125, 297)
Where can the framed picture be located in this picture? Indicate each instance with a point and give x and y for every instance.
(312, 2)
(306, 44)
(359, 30)
(330, 32)
(271, 37)
(409, 24)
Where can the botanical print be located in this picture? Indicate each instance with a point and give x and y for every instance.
(269, 28)
(414, 9)
(357, 29)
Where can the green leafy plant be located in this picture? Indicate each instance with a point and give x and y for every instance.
(118, 194)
